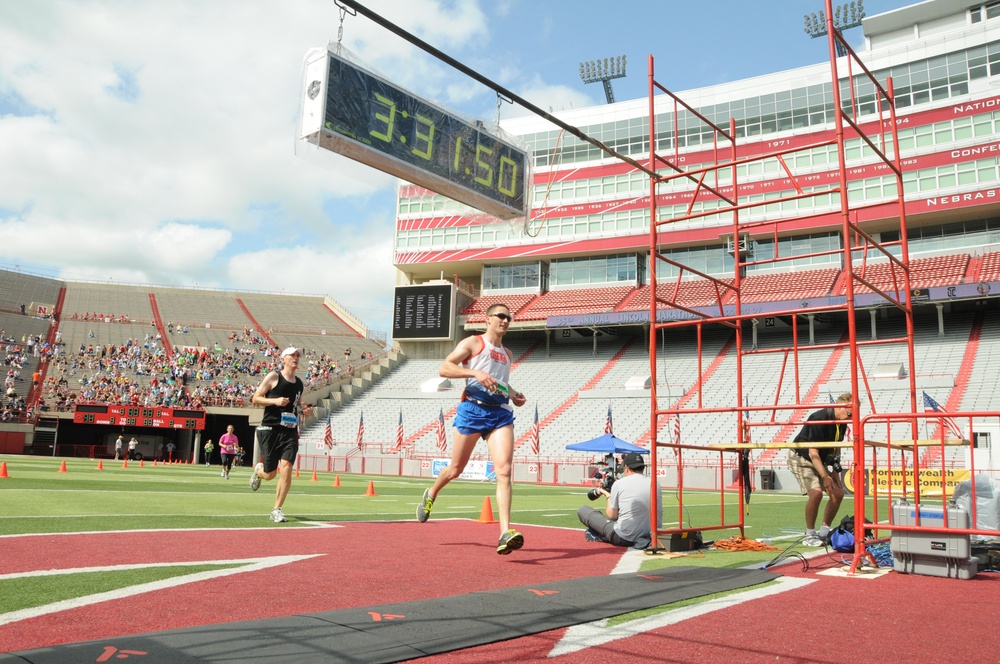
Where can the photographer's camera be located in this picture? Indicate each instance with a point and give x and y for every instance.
(606, 481)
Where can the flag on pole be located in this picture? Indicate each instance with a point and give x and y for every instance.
(930, 405)
(361, 429)
(609, 424)
(328, 436)
(442, 444)
(399, 432)
(533, 434)
(677, 430)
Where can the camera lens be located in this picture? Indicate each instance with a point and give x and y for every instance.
(594, 494)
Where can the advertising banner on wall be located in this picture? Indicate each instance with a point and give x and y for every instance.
(883, 479)
(475, 470)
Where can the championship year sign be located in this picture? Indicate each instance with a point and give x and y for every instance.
(356, 113)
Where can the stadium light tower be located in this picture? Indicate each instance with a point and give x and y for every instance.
(847, 15)
(603, 71)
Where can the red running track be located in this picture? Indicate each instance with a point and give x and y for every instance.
(893, 618)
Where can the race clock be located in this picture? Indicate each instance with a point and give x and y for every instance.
(352, 111)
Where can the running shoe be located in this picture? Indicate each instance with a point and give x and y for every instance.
(277, 516)
(510, 541)
(424, 508)
(255, 478)
(589, 535)
(813, 541)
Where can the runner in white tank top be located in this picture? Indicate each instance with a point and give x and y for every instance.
(484, 412)
(495, 361)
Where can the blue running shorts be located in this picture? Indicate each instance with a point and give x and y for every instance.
(470, 417)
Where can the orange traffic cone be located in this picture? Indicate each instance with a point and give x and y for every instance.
(486, 515)
(141, 464)
(314, 477)
(336, 481)
(62, 468)
(371, 489)
(296, 473)
(154, 462)
(125, 463)
(3, 470)
(100, 465)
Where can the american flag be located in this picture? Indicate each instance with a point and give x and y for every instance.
(608, 424)
(328, 436)
(677, 430)
(533, 434)
(442, 444)
(399, 432)
(361, 430)
(930, 405)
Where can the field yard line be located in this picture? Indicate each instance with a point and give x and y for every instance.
(251, 565)
(590, 635)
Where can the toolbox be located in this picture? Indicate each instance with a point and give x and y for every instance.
(932, 553)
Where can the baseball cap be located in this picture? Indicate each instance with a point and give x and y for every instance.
(291, 350)
(634, 461)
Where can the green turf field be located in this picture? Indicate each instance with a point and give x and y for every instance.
(37, 498)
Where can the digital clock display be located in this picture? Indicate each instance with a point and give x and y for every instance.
(356, 113)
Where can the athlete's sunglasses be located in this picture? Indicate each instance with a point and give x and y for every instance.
(506, 317)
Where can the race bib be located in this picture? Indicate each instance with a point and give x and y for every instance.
(289, 420)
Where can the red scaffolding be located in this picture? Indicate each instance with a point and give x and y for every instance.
(717, 183)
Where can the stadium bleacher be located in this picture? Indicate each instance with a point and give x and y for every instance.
(572, 385)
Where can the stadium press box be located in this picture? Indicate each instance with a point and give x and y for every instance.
(932, 554)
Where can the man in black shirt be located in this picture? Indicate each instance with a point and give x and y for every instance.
(279, 394)
(811, 465)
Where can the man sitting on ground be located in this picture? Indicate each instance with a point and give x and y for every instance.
(625, 521)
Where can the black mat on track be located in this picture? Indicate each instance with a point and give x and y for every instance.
(394, 632)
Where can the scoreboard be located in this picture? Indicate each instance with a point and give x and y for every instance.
(139, 416)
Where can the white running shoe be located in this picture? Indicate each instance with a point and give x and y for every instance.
(813, 541)
(255, 478)
(277, 516)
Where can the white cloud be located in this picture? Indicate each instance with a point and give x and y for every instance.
(361, 277)
(151, 141)
(549, 98)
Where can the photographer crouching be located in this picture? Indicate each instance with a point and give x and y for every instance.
(625, 521)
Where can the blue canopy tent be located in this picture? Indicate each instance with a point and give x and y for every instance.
(609, 444)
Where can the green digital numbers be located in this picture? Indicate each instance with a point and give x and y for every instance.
(423, 143)
(388, 120)
(484, 171)
(427, 138)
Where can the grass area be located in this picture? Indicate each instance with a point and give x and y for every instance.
(27, 592)
(37, 498)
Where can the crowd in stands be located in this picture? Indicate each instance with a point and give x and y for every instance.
(139, 372)
(101, 318)
(13, 406)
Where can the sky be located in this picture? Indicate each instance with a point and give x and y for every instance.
(153, 142)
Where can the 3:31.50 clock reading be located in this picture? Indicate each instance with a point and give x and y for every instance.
(382, 117)
(424, 131)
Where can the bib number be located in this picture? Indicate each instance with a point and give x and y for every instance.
(289, 420)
